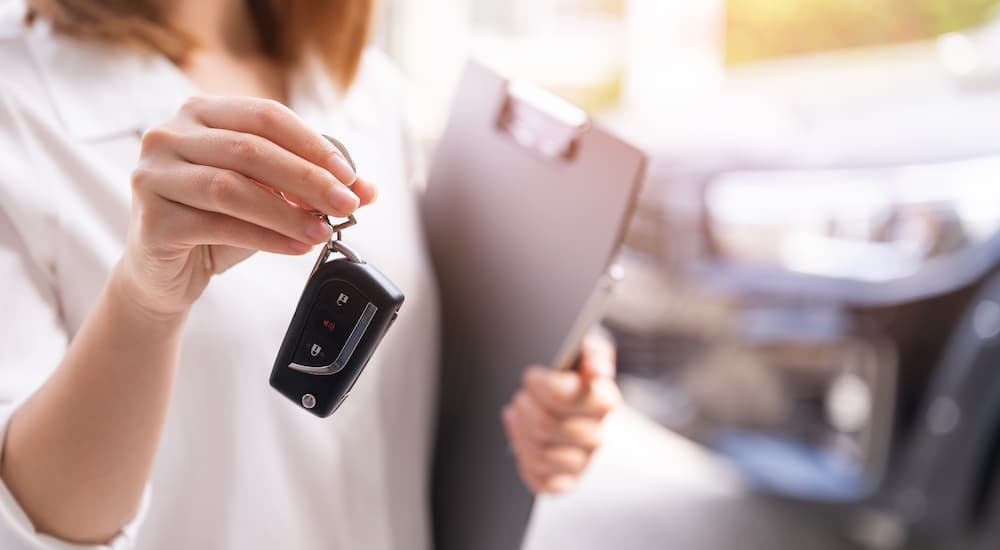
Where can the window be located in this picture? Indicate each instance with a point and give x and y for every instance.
(762, 29)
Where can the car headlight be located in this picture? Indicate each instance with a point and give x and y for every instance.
(873, 225)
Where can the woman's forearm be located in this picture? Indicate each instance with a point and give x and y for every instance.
(78, 453)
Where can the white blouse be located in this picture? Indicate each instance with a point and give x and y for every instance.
(238, 466)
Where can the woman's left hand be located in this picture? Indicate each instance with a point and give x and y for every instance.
(554, 422)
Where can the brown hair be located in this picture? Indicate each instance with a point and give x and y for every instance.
(335, 29)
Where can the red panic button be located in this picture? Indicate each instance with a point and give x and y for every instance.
(329, 325)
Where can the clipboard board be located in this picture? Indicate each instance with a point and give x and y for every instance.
(526, 207)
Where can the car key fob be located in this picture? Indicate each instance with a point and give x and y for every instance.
(346, 308)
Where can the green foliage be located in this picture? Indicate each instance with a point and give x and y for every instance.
(761, 29)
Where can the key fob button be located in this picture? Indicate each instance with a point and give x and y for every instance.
(330, 323)
(315, 350)
(341, 299)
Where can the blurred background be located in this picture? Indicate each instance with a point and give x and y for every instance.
(808, 328)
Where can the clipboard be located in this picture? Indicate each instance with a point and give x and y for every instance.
(526, 206)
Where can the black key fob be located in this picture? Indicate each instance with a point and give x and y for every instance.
(345, 310)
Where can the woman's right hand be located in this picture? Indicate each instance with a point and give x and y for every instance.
(205, 196)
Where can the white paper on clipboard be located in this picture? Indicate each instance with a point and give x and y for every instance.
(526, 207)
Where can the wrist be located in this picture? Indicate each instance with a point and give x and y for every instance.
(125, 297)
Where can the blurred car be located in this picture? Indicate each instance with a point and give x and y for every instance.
(822, 307)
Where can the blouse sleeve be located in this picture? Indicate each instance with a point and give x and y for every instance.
(33, 337)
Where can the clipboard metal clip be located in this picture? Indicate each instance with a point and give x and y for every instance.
(542, 121)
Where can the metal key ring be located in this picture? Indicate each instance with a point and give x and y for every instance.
(351, 220)
(343, 150)
(336, 244)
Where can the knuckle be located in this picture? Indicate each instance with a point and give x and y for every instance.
(532, 376)
(602, 409)
(521, 400)
(265, 112)
(320, 148)
(244, 146)
(591, 442)
(526, 377)
(155, 139)
(315, 176)
(193, 104)
(142, 176)
(612, 400)
(221, 187)
(593, 439)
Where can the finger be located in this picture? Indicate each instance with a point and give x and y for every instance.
(296, 201)
(557, 484)
(533, 481)
(231, 193)
(518, 446)
(539, 425)
(525, 452)
(540, 479)
(365, 190)
(261, 160)
(564, 393)
(280, 125)
(287, 197)
(561, 459)
(541, 457)
(544, 469)
(540, 482)
(275, 122)
(597, 357)
(556, 391)
(525, 449)
(586, 432)
(192, 227)
(542, 427)
(514, 430)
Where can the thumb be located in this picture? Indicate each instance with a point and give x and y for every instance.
(597, 358)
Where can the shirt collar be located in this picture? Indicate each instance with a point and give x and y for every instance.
(101, 90)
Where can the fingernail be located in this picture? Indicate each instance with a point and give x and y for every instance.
(318, 230)
(343, 200)
(341, 169)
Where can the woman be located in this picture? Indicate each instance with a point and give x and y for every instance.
(133, 393)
